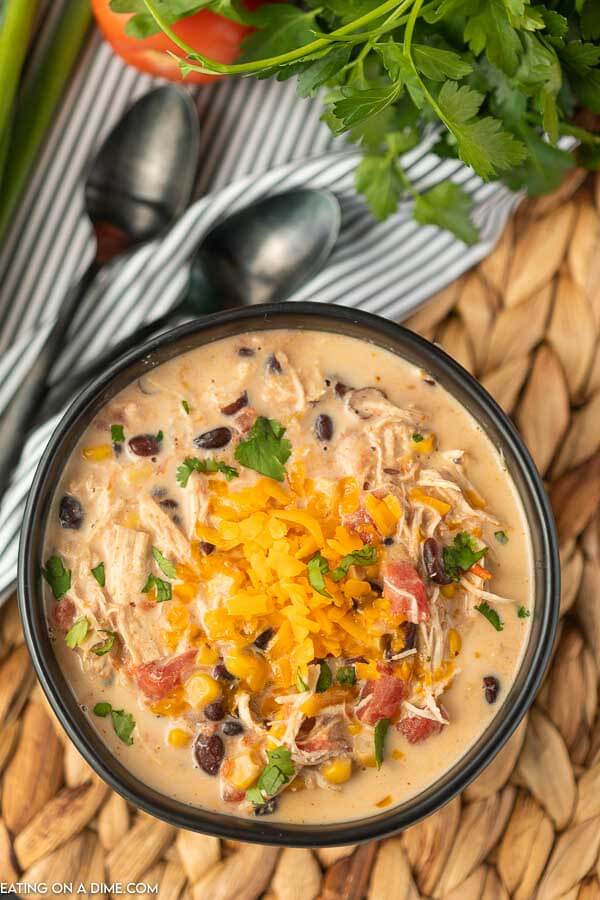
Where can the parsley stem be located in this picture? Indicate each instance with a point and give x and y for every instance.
(283, 58)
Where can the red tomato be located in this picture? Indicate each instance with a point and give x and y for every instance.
(63, 613)
(417, 728)
(212, 35)
(387, 693)
(399, 577)
(158, 678)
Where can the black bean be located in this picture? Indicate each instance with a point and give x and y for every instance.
(263, 639)
(236, 405)
(144, 445)
(410, 636)
(220, 671)
(167, 503)
(433, 560)
(215, 711)
(70, 512)
(267, 808)
(273, 364)
(388, 541)
(341, 389)
(209, 752)
(246, 351)
(159, 492)
(324, 427)
(214, 439)
(207, 548)
(392, 471)
(491, 686)
(231, 727)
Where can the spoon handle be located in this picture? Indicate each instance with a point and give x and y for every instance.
(18, 416)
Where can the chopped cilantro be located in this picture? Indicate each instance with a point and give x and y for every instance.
(106, 645)
(163, 588)
(366, 556)
(325, 678)
(461, 555)
(123, 722)
(102, 709)
(523, 612)
(379, 738)
(491, 615)
(117, 434)
(193, 464)
(99, 574)
(77, 633)
(318, 567)
(346, 675)
(265, 449)
(186, 407)
(276, 774)
(57, 576)
(416, 437)
(501, 537)
(165, 565)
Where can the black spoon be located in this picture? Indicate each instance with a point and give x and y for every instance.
(140, 181)
(261, 254)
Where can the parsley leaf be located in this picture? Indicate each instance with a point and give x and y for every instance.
(163, 588)
(325, 678)
(381, 730)
(105, 646)
(77, 633)
(123, 722)
(439, 64)
(57, 576)
(523, 612)
(159, 436)
(490, 614)
(117, 434)
(278, 771)
(448, 206)
(164, 564)
(416, 437)
(281, 27)
(318, 567)
(99, 574)
(102, 709)
(501, 537)
(193, 464)
(346, 675)
(265, 449)
(378, 179)
(366, 556)
(186, 407)
(461, 555)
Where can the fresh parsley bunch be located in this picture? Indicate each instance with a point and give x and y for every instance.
(497, 82)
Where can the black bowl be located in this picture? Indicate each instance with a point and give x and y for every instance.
(481, 406)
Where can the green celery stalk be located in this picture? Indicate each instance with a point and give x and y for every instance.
(17, 21)
(38, 101)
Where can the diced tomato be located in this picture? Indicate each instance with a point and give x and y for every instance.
(231, 794)
(387, 693)
(63, 613)
(158, 678)
(402, 576)
(417, 728)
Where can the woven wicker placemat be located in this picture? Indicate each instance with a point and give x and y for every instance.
(527, 323)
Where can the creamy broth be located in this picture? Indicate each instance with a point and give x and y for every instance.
(290, 377)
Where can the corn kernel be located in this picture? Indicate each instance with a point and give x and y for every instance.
(98, 453)
(243, 770)
(424, 446)
(207, 656)
(177, 737)
(454, 642)
(337, 771)
(355, 728)
(177, 616)
(249, 667)
(201, 689)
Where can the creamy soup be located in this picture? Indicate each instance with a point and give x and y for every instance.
(288, 575)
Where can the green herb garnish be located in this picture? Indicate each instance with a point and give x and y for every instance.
(123, 722)
(99, 574)
(501, 537)
(490, 614)
(117, 434)
(193, 464)
(165, 565)
(159, 436)
(416, 437)
(523, 612)
(317, 568)
(77, 633)
(278, 771)
(366, 556)
(163, 588)
(186, 407)
(379, 737)
(106, 645)
(346, 675)
(57, 576)
(265, 449)
(461, 555)
(325, 678)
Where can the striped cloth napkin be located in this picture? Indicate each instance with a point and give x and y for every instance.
(257, 138)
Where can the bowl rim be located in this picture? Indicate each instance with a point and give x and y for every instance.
(261, 830)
